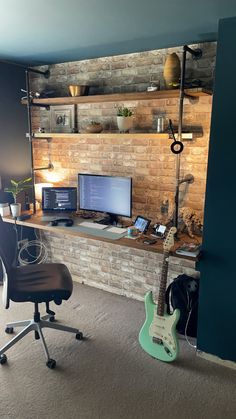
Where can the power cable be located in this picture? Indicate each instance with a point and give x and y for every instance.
(33, 251)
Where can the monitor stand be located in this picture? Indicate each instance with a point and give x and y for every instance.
(109, 219)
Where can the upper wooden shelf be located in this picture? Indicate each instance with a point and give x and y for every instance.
(117, 97)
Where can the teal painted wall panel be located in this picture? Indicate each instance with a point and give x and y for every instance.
(217, 319)
(15, 150)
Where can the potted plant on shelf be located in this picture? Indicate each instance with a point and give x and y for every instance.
(15, 188)
(94, 127)
(124, 119)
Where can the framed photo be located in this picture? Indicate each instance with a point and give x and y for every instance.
(62, 118)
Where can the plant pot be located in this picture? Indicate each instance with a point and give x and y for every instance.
(94, 128)
(15, 210)
(124, 123)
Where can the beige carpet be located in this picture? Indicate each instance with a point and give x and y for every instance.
(108, 376)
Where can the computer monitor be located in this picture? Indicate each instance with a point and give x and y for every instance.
(109, 194)
(59, 199)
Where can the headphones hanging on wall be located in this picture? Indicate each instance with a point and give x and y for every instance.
(177, 146)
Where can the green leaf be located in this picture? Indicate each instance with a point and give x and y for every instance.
(27, 179)
(21, 182)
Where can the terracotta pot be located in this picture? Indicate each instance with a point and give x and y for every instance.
(124, 123)
(172, 71)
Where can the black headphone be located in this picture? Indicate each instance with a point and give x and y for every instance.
(177, 146)
(68, 222)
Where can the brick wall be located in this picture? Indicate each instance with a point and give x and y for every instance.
(150, 162)
(126, 271)
(111, 267)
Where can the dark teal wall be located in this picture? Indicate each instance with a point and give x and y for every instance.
(217, 319)
(14, 147)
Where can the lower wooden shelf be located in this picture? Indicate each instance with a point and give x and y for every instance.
(135, 135)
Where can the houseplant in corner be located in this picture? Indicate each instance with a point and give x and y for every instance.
(124, 119)
(15, 188)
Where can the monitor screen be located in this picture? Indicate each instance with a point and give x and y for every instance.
(59, 199)
(110, 194)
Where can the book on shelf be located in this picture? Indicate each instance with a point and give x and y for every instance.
(189, 249)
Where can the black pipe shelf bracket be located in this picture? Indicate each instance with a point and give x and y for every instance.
(49, 167)
(30, 135)
(39, 105)
(196, 54)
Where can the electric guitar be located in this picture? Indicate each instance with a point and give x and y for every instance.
(158, 333)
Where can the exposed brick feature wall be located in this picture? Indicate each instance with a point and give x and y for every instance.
(111, 267)
(124, 73)
(149, 162)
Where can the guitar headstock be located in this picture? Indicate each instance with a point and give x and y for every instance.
(169, 240)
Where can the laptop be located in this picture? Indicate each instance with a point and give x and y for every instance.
(58, 202)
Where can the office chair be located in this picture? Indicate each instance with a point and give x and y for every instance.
(40, 283)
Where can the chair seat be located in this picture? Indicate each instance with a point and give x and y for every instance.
(40, 283)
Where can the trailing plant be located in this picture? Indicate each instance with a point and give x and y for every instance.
(17, 187)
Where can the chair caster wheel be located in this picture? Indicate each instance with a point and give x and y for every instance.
(52, 319)
(36, 335)
(51, 363)
(79, 336)
(9, 330)
(3, 359)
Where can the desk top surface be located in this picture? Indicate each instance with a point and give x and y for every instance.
(36, 222)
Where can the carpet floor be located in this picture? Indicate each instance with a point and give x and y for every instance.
(108, 375)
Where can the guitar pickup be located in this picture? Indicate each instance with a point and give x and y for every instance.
(157, 340)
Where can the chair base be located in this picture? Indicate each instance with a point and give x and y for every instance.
(37, 326)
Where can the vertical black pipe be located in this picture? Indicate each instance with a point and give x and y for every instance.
(180, 127)
(30, 137)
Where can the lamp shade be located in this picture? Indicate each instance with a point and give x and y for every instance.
(38, 190)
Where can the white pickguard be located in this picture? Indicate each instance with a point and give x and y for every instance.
(161, 328)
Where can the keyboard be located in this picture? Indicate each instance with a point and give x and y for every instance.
(92, 225)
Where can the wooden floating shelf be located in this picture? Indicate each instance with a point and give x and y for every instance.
(138, 136)
(117, 97)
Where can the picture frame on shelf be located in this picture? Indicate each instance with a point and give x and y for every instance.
(62, 119)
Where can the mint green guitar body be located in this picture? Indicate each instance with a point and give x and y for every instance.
(158, 334)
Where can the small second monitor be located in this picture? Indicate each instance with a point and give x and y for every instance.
(59, 199)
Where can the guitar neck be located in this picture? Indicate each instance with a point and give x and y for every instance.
(162, 289)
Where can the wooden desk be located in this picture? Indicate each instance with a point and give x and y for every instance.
(36, 222)
(124, 266)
